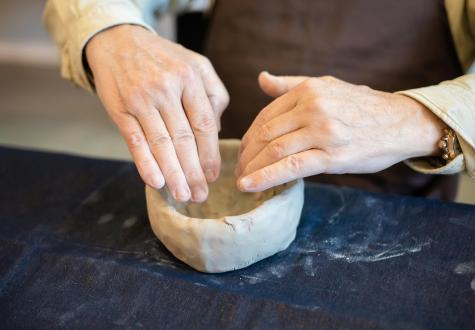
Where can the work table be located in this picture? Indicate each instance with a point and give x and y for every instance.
(76, 250)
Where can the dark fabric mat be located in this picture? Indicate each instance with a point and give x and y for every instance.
(76, 251)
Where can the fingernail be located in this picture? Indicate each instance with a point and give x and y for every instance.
(245, 183)
(199, 194)
(210, 176)
(182, 194)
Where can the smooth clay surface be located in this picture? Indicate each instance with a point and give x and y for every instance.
(232, 229)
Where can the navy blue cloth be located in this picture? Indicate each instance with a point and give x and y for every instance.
(76, 251)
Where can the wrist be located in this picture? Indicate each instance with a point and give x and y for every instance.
(424, 128)
(103, 42)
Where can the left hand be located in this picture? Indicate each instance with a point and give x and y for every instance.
(325, 125)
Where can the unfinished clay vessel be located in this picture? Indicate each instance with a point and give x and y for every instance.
(232, 229)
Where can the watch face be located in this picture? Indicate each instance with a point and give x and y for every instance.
(449, 145)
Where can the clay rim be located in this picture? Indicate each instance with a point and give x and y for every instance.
(293, 185)
(230, 144)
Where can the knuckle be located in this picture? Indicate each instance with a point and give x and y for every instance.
(213, 163)
(173, 177)
(225, 99)
(219, 103)
(195, 177)
(294, 164)
(265, 134)
(146, 163)
(159, 84)
(364, 88)
(331, 128)
(313, 104)
(133, 101)
(265, 174)
(311, 88)
(152, 180)
(159, 140)
(316, 103)
(185, 71)
(134, 139)
(163, 82)
(277, 150)
(261, 119)
(183, 136)
(143, 113)
(327, 80)
(204, 124)
(309, 84)
(203, 62)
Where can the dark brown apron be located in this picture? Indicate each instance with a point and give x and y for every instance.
(386, 44)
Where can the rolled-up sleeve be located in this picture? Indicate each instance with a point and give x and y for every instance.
(453, 102)
(73, 23)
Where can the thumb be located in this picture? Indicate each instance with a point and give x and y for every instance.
(275, 86)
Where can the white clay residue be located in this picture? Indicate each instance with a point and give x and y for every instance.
(129, 222)
(371, 240)
(465, 268)
(272, 274)
(466, 222)
(376, 238)
(364, 254)
(105, 218)
(94, 197)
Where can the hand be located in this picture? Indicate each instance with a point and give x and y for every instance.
(325, 125)
(166, 101)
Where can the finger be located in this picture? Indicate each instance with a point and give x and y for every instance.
(279, 126)
(163, 150)
(277, 107)
(276, 86)
(136, 142)
(295, 166)
(203, 123)
(284, 146)
(185, 147)
(217, 94)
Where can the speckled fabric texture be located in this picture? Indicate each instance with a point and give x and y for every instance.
(77, 251)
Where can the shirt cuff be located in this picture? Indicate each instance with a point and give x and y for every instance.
(454, 103)
(424, 165)
(87, 26)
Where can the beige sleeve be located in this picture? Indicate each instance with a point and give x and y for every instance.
(72, 23)
(461, 17)
(453, 102)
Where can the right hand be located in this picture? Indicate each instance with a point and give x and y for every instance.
(167, 102)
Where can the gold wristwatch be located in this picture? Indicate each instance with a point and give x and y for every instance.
(449, 145)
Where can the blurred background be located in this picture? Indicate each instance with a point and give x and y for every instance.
(39, 110)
